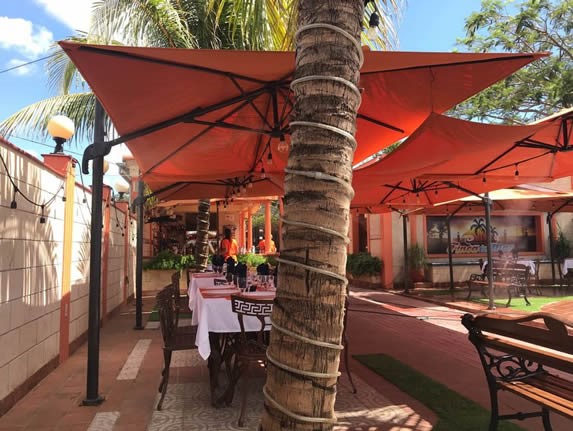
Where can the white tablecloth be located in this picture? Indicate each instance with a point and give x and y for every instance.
(200, 281)
(528, 263)
(567, 265)
(216, 315)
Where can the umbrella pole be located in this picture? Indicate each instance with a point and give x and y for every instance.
(406, 268)
(487, 205)
(139, 257)
(450, 258)
(92, 394)
(551, 246)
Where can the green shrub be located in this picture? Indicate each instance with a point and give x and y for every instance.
(168, 260)
(363, 264)
(417, 258)
(251, 259)
(562, 246)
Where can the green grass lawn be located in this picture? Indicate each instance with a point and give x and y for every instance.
(154, 316)
(518, 303)
(454, 412)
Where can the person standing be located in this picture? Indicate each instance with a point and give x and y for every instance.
(229, 246)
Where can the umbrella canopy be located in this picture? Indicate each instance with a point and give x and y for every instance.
(515, 198)
(465, 157)
(204, 115)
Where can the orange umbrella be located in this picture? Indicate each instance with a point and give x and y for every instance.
(465, 157)
(196, 115)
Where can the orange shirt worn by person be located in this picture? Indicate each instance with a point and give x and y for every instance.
(229, 248)
(271, 249)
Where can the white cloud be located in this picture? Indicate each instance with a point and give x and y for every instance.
(24, 37)
(23, 70)
(75, 14)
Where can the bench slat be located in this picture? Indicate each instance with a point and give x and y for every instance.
(543, 398)
(552, 359)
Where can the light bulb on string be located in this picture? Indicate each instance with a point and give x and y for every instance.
(270, 158)
(283, 145)
(516, 173)
(263, 174)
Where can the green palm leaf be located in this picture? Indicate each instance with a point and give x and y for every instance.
(31, 121)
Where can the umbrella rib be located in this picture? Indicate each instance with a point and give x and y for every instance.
(483, 168)
(520, 162)
(380, 123)
(455, 63)
(137, 57)
(272, 89)
(187, 117)
(393, 188)
(531, 143)
(193, 139)
(225, 125)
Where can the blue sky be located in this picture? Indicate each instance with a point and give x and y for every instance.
(29, 27)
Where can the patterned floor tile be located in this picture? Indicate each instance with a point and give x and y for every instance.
(187, 358)
(187, 406)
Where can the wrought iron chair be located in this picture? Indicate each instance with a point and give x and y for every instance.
(535, 284)
(249, 347)
(174, 337)
(181, 300)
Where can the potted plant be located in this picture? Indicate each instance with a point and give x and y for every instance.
(417, 263)
(158, 270)
(364, 270)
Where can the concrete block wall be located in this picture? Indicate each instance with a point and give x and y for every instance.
(32, 268)
(80, 263)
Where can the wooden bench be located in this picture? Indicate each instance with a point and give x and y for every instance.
(512, 277)
(530, 356)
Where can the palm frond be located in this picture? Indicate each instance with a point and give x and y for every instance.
(31, 121)
(157, 23)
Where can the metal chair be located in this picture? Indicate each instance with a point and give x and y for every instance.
(535, 285)
(249, 347)
(181, 300)
(174, 337)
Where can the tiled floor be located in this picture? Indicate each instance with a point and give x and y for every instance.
(428, 337)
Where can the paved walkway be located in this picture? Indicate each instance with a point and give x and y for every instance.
(425, 336)
(434, 342)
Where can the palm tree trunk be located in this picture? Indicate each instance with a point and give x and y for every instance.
(202, 242)
(304, 351)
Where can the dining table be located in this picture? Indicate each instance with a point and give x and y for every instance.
(216, 322)
(566, 266)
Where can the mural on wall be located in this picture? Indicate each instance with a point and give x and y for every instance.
(469, 234)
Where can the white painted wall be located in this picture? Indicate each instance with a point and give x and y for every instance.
(31, 266)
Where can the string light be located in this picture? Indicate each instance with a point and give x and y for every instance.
(42, 217)
(263, 174)
(516, 172)
(270, 158)
(14, 204)
(283, 145)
